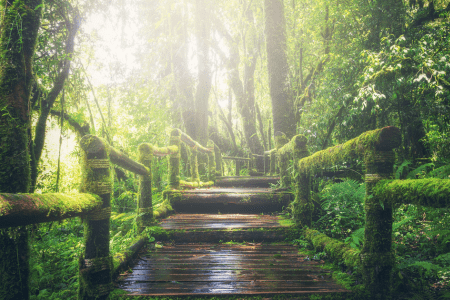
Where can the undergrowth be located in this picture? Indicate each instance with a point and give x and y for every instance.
(421, 235)
(56, 247)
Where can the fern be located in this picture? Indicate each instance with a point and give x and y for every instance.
(343, 210)
(419, 170)
(356, 238)
(441, 172)
(401, 169)
(397, 225)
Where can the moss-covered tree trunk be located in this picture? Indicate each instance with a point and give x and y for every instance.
(244, 90)
(376, 256)
(95, 266)
(174, 160)
(278, 69)
(202, 30)
(184, 83)
(19, 29)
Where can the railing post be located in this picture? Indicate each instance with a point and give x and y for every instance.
(211, 162)
(283, 159)
(194, 166)
(218, 159)
(302, 205)
(174, 161)
(273, 162)
(238, 167)
(95, 266)
(144, 205)
(376, 256)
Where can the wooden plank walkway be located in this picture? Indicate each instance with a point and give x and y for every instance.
(214, 221)
(229, 200)
(194, 260)
(211, 269)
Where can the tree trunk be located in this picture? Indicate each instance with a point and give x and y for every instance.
(203, 28)
(20, 25)
(184, 97)
(278, 69)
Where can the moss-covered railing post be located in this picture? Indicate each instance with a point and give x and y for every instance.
(283, 158)
(218, 159)
(95, 266)
(211, 162)
(195, 177)
(238, 167)
(302, 206)
(174, 161)
(144, 205)
(272, 162)
(376, 256)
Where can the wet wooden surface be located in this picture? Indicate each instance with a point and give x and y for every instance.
(192, 269)
(247, 181)
(215, 221)
(229, 200)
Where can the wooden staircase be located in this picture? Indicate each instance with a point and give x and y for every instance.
(219, 243)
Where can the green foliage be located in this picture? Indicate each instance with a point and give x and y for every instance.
(54, 264)
(342, 208)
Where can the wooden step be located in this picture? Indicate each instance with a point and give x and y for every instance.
(229, 200)
(233, 269)
(247, 181)
(202, 228)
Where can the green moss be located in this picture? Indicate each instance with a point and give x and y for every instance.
(383, 139)
(174, 161)
(211, 162)
(196, 184)
(144, 203)
(431, 192)
(162, 210)
(336, 249)
(194, 166)
(52, 204)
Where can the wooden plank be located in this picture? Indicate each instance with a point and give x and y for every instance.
(225, 221)
(194, 269)
(247, 181)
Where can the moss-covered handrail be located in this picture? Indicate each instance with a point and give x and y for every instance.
(164, 151)
(191, 143)
(176, 137)
(384, 139)
(93, 144)
(25, 209)
(376, 149)
(337, 250)
(236, 158)
(431, 192)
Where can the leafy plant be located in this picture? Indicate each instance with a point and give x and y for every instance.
(342, 208)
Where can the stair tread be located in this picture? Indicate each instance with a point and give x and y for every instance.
(222, 268)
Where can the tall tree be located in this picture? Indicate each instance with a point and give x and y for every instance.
(203, 35)
(244, 90)
(278, 69)
(19, 32)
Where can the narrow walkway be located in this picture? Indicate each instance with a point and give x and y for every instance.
(212, 221)
(219, 242)
(212, 269)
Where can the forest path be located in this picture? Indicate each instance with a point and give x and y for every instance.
(223, 252)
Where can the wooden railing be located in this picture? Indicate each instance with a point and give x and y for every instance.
(375, 148)
(93, 205)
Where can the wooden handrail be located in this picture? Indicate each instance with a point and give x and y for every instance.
(26, 209)
(93, 144)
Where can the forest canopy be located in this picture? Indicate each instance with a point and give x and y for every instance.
(235, 72)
